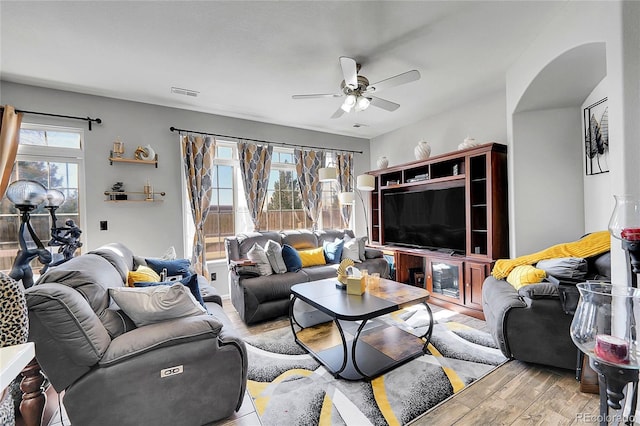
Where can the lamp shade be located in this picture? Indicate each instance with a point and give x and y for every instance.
(26, 193)
(55, 198)
(366, 182)
(347, 197)
(328, 174)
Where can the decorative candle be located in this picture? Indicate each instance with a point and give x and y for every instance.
(612, 349)
(630, 234)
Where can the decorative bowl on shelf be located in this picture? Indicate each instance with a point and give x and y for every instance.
(604, 325)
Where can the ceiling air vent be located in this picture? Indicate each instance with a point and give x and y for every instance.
(186, 92)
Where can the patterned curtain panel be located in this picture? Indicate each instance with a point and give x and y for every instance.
(308, 164)
(199, 153)
(9, 136)
(255, 165)
(345, 179)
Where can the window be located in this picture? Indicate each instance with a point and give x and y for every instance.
(228, 213)
(52, 156)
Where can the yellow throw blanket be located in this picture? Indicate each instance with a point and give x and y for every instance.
(590, 245)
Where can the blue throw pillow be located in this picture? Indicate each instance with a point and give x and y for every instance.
(174, 267)
(291, 258)
(191, 282)
(333, 250)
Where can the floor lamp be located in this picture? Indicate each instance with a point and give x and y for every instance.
(364, 183)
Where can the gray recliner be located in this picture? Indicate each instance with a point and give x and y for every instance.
(186, 371)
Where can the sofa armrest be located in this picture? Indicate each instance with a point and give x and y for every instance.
(498, 298)
(208, 292)
(372, 253)
(162, 334)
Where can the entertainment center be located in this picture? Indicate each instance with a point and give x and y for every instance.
(445, 220)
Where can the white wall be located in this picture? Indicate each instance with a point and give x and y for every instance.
(149, 229)
(598, 198)
(548, 162)
(483, 120)
(578, 24)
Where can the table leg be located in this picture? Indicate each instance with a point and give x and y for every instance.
(33, 400)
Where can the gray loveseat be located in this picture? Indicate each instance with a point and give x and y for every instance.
(267, 297)
(532, 324)
(185, 371)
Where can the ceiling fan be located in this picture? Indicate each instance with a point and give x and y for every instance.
(358, 91)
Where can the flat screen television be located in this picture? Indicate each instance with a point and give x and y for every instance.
(431, 219)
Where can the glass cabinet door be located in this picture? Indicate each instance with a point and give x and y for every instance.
(444, 278)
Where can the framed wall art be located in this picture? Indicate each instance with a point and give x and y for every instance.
(596, 137)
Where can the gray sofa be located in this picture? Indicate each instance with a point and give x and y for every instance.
(111, 370)
(532, 324)
(266, 297)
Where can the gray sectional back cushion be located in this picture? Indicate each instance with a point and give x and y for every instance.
(329, 235)
(91, 275)
(300, 240)
(247, 240)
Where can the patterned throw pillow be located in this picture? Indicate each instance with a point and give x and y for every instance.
(259, 256)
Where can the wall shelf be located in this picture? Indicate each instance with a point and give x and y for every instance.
(113, 159)
(136, 197)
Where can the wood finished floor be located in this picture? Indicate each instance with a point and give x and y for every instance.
(515, 394)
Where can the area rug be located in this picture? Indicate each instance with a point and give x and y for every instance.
(289, 387)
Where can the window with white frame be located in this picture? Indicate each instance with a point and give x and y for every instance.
(330, 216)
(52, 156)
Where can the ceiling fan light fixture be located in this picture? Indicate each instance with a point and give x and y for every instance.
(362, 103)
(349, 103)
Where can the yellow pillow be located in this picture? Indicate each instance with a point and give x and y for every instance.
(524, 275)
(312, 257)
(142, 274)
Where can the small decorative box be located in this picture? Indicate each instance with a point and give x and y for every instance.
(355, 285)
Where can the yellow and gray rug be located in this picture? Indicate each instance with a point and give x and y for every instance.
(289, 387)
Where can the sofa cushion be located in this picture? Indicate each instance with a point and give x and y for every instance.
(248, 239)
(91, 275)
(330, 235)
(321, 272)
(274, 255)
(564, 267)
(120, 257)
(312, 257)
(541, 290)
(273, 287)
(300, 239)
(148, 305)
(259, 256)
(169, 254)
(333, 250)
(291, 258)
(524, 275)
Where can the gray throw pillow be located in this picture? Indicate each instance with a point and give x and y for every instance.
(351, 249)
(564, 267)
(259, 257)
(148, 305)
(274, 255)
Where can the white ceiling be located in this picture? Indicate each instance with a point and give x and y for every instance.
(247, 58)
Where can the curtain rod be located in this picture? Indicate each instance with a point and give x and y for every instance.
(87, 119)
(173, 129)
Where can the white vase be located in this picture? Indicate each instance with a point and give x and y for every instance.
(422, 151)
(468, 143)
(383, 162)
(151, 154)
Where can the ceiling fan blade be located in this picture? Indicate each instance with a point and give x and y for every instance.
(349, 71)
(397, 80)
(339, 112)
(319, 95)
(383, 103)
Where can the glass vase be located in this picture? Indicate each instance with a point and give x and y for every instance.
(604, 326)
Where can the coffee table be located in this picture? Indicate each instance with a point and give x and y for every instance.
(355, 345)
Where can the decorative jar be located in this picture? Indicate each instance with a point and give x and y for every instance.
(604, 325)
(422, 151)
(383, 162)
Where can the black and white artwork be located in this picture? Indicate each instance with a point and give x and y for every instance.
(596, 137)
